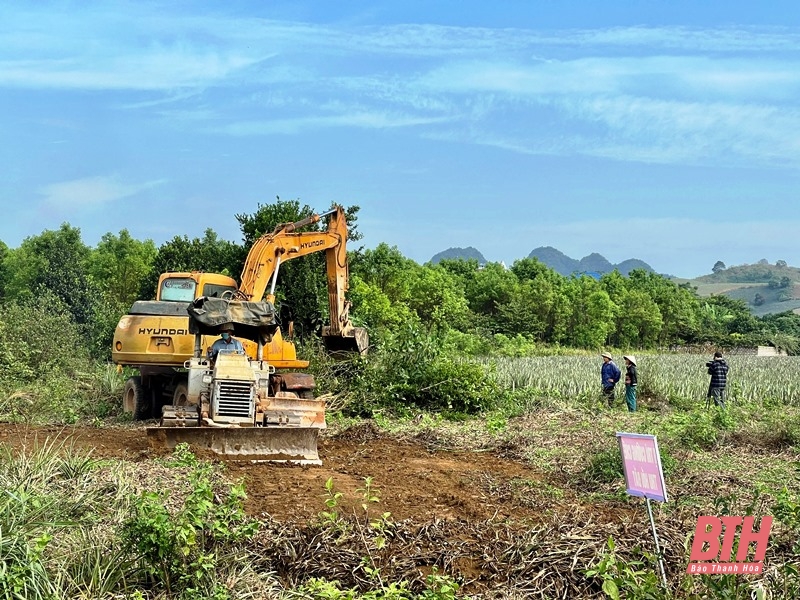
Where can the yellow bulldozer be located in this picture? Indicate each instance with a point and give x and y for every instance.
(256, 404)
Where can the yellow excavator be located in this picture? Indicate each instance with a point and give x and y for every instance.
(252, 404)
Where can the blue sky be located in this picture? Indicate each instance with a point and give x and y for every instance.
(665, 131)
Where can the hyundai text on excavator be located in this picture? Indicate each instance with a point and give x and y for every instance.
(253, 405)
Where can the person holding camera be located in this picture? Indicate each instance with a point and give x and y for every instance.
(718, 369)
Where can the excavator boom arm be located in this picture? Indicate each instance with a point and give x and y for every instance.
(285, 243)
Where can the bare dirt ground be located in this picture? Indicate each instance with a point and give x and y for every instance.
(413, 482)
(500, 526)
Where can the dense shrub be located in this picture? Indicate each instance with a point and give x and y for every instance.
(605, 466)
(46, 372)
(411, 369)
(100, 331)
(38, 338)
(779, 429)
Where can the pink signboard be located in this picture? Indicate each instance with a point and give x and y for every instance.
(642, 465)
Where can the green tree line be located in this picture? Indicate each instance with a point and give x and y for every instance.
(477, 308)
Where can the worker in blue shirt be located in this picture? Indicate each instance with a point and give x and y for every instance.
(226, 343)
(609, 376)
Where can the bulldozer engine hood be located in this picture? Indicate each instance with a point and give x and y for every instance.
(251, 320)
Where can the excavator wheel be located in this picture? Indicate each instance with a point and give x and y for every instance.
(180, 397)
(132, 391)
(144, 407)
(137, 398)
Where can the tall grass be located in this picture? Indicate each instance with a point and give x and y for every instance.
(53, 542)
(94, 392)
(64, 519)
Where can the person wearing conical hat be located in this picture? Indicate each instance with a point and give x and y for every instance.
(609, 376)
(631, 380)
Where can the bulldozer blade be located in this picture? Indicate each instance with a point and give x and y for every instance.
(297, 445)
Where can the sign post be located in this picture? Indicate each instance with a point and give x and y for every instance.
(641, 463)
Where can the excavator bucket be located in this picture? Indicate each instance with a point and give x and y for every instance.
(296, 445)
(342, 344)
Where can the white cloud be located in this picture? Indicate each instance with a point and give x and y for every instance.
(361, 120)
(690, 132)
(675, 95)
(90, 192)
(154, 69)
(723, 39)
(657, 76)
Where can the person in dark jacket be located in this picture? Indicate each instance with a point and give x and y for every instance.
(609, 376)
(631, 380)
(718, 369)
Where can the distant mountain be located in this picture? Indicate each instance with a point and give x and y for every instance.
(555, 259)
(456, 253)
(626, 266)
(594, 263)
